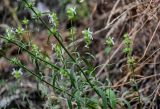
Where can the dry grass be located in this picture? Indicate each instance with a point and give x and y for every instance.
(141, 21)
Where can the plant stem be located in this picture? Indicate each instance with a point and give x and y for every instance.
(57, 38)
(13, 42)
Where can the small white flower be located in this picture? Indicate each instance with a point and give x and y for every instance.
(87, 36)
(19, 30)
(17, 73)
(10, 31)
(88, 33)
(112, 41)
(49, 15)
(73, 10)
(50, 18)
(52, 21)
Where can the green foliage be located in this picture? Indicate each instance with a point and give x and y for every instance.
(112, 98)
(58, 49)
(82, 10)
(104, 99)
(25, 21)
(53, 31)
(72, 76)
(10, 34)
(64, 72)
(72, 33)
(36, 51)
(128, 51)
(71, 13)
(131, 63)
(92, 103)
(109, 44)
(127, 41)
(53, 19)
(15, 61)
(87, 36)
(19, 30)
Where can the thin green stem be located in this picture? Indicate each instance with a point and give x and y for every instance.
(23, 67)
(30, 53)
(65, 49)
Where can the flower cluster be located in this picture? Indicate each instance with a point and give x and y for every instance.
(128, 50)
(10, 34)
(71, 13)
(53, 19)
(25, 21)
(36, 51)
(19, 30)
(87, 36)
(58, 49)
(110, 41)
(127, 42)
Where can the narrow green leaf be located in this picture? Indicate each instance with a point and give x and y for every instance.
(108, 50)
(73, 79)
(92, 103)
(54, 77)
(78, 99)
(89, 65)
(112, 98)
(69, 103)
(104, 98)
